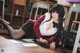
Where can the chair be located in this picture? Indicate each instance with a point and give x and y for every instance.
(37, 6)
(77, 43)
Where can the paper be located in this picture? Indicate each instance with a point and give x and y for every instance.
(15, 41)
(29, 44)
(28, 40)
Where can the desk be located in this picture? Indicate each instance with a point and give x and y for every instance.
(10, 47)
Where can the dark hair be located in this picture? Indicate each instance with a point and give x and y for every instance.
(60, 10)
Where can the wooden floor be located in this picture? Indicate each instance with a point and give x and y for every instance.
(5, 34)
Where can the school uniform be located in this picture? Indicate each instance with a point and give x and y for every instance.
(37, 28)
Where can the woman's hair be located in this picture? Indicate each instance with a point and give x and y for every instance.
(60, 10)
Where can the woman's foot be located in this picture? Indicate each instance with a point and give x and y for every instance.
(4, 21)
(5, 24)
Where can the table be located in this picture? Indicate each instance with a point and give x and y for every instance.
(8, 47)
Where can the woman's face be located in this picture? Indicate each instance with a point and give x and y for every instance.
(55, 16)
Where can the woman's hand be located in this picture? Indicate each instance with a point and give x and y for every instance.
(52, 45)
(43, 40)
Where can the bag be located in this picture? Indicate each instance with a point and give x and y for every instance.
(70, 39)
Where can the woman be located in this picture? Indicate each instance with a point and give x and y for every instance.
(45, 28)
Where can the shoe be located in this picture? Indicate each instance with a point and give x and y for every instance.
(4, 21)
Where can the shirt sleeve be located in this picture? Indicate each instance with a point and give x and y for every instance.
(36, 26)
(52, 38)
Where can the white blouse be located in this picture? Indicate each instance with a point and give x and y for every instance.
(43, 26)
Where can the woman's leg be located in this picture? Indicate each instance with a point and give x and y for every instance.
(15, 34)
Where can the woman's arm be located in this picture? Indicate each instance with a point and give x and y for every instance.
(52, 38)
(37, 30)
(36, 26)
(53, 41)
